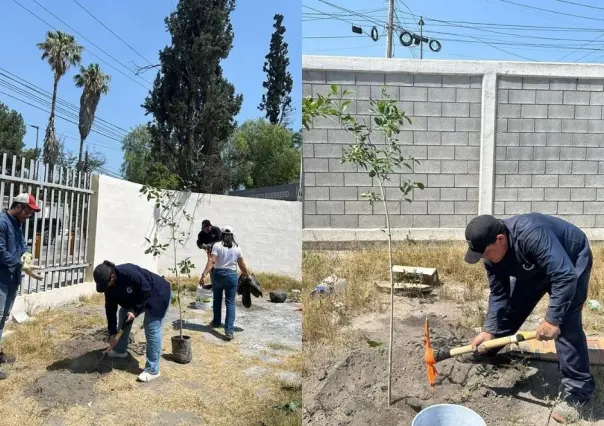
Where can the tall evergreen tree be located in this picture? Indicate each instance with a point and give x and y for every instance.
(192, 104)
(277, 100)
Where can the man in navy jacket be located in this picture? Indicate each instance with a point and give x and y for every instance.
(525, 257)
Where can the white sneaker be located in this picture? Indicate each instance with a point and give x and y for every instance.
(146, 377)
(114, 354)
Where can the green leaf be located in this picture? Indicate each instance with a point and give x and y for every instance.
(372, 173)
(374, 344)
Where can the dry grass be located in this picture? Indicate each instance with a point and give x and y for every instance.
(268, 282)
(363, 267)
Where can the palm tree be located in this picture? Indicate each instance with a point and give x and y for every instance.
(95, 83)
(61, 51)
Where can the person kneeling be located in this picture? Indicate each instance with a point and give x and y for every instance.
(135, 290)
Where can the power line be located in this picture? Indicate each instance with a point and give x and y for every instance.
(580, 4)
(552, 11)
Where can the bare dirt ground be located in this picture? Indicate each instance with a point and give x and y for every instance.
(349, 386)
(61, 383)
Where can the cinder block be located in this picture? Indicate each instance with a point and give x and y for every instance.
(371, 78)
(563, 84)
(417, 123)
(585, 167)
(456, 81)
(314, 135)
(503, 96)
(315, 164)
(392, 92)
(545, 181)
(417, 152)
(576, 98)
(309, 76)
(535, 83)
(372, 221)
(557, 194)
(338, 136)
(308, 150)
(506, 194)
(466, 207)
(522, 96)
(427, 109)
(453, 194)
(519, 153)
(509, 82)
(427, 166)
(601, 167)
(341, 77)
(600, 194)
(356, 179)
(309, 179)
(506, 167)
(468, 95)
(583, 194)
(500, 153)
(572, 181)
(549, 97)
(517, 125)
(581, 220)
(426, 138)
(415, 94)
(399, 79)
(594, 207)
(456, 109)
(507, 139)
(357, 92)
(509, 111)
(595, 85)
(454, 167)
(467, 153)
(452, 221)
(595, 126)
(336, 165)
(502, 125)
(531, 167)
(476, 82)
(316, 221)
(316, 193)
(518, 181)
(547, 153)
(558, 167)
(467, 124)
(416, 207)
(588, 112)
(574, 126)
(594, 181)
(548, 125)
(344, 221)
(474, 167)
(533, 139)
(595, 154)
(596, 98)
(570, 207)
(498, 207)
(441, 207)
(426, 221)
(401, 221)
(330, 207)
(330, 179)
(472, 194)
(441, 152)
(545, 207)
(440, 124)
(561, 111)
(309, 207)
(342, 193)
(534, 111)
(441, 94)
(517, 207)
(573, 153)
(499, 180)
(559, 139)
(474, 139)
(455, 138)
(428, 80)
(394, 207)
(306, 89)
(328, 151)
(441, 181)
(466, 181)
(531, 194)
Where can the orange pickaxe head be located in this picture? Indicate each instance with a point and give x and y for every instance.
(429, 356)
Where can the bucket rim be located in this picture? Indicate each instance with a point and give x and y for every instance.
(457, 406)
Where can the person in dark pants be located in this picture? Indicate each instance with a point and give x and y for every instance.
(226, 256)
(135, 290)
(525, 257)
(13, 251)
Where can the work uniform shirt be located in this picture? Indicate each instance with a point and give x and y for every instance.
(12, 247)
(540, 247)
(136, 290)
(209, 238)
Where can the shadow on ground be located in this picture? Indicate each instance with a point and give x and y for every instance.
(94, 362)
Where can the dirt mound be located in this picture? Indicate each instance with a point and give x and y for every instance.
(354, 391)
(62, 389)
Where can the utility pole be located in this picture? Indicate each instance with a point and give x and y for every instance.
(390, 29)
(421, 34)
(37, 155)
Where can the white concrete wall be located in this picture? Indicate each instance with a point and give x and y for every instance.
(268, 231)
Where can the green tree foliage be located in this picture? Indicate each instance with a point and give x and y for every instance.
(192, 104)
(12, 130)
(95, 83)
(263, 154)
(277, 100)
(61, 51)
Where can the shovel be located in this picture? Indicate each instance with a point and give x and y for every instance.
(117, 338)
(431, 357)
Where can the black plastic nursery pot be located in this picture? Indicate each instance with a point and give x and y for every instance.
(181, 349)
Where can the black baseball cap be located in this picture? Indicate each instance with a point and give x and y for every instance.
(102, 276)
(205, 223)
(480, 232)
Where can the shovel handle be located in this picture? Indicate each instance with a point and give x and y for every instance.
(496, 343)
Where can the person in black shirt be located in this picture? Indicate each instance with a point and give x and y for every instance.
(208, 236)
(135, 290)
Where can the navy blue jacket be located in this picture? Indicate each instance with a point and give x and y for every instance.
(12, 247)
(136, 290)
(540, 247)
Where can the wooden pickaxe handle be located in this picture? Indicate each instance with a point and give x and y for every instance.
(521, 336)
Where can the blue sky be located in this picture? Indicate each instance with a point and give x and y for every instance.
(464, 28)
(141, 24)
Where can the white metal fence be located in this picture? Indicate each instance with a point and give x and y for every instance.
(57, 235)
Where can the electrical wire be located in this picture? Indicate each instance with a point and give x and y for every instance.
(551, 11)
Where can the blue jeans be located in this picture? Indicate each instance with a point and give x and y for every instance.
(8, 293)
(224, 280)
(153, 335)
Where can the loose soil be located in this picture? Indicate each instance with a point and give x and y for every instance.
(351, 388)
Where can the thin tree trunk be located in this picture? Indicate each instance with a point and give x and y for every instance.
(54, 99)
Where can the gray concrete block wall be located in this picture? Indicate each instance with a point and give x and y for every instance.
(444, 137)
(549, 154)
